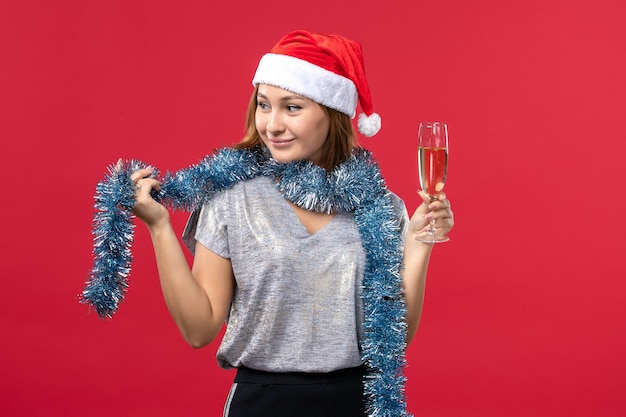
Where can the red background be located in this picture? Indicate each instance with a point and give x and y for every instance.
(524, 313)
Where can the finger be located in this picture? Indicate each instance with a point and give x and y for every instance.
(423, 196)
(444, 222)
(137, 187)
(439, 204)
(441, 213)
(141, 173)
(145, 186)
(142, 192)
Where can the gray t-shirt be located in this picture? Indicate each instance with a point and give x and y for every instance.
(297, 304)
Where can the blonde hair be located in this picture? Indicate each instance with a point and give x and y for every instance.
(339, 144)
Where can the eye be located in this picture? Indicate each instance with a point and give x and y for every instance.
(262, 105)
(293, 107)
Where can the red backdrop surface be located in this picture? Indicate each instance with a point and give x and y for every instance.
(524, 313)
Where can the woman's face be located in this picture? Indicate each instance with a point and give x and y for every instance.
(292, 127)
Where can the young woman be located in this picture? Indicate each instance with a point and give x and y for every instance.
(283, 261)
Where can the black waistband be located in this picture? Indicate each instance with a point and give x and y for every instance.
(245, 374)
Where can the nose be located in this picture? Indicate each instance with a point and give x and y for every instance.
(275, 123)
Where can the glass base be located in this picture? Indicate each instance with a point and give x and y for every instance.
(430, 234)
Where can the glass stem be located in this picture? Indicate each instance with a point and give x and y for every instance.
(433, 230)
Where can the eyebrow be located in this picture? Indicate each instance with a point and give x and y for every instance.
(285, 98)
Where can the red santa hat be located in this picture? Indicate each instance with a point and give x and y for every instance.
(327, 69)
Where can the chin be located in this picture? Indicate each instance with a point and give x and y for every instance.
(282, 157)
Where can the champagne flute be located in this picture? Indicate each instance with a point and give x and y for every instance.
(432, 162)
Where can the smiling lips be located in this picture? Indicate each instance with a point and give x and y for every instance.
(281, 142)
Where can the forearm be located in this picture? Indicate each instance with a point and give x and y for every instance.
(188, 303)
(416, 257)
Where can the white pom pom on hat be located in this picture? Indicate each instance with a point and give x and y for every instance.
(369, 125)
(327, 69)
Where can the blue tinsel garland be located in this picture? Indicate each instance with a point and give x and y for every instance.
(354, 186)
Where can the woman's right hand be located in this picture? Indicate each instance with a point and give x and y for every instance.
(146, 208)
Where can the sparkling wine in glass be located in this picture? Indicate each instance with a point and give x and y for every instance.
(432, 163)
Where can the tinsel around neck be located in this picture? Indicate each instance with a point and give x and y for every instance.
(354, 186)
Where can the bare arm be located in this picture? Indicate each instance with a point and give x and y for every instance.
(199, 298)
(417, 256)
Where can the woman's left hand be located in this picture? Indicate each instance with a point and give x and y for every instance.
(439, 210)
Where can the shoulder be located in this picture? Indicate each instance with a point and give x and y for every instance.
(400, 210)
(396, 201)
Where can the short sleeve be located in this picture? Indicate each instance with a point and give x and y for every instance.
(401, 214)
(209, 227)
